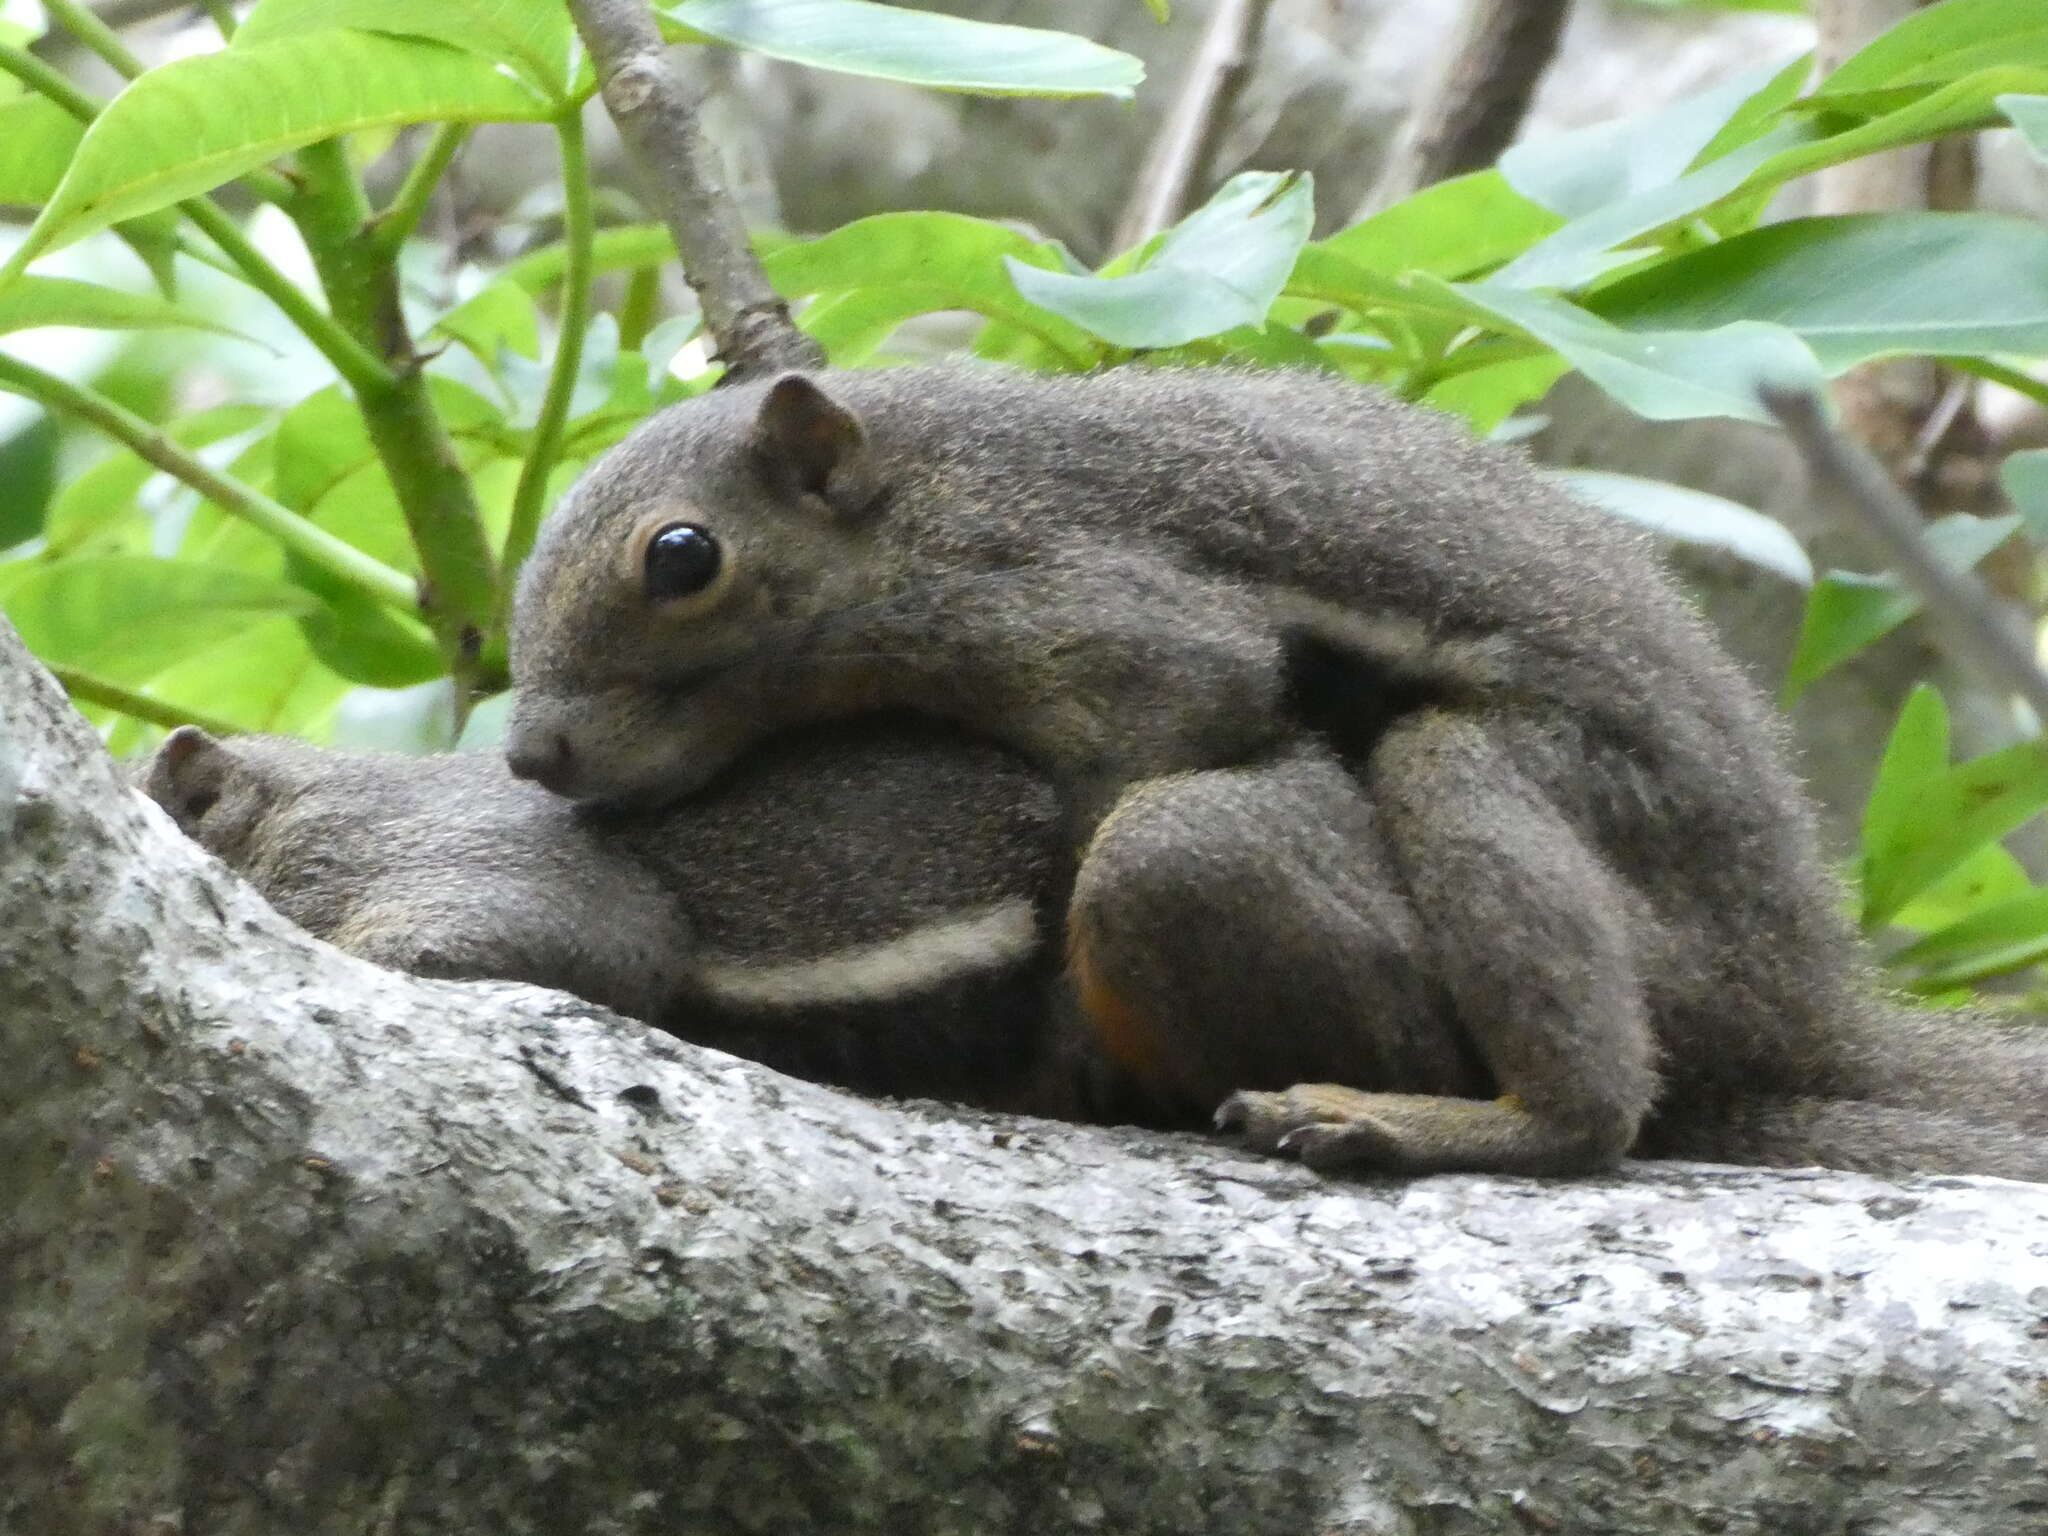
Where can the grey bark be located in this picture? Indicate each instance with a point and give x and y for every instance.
(294, 1244)
(656, 112)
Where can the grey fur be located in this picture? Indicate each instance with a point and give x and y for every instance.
(1573, 796)
(807, 913)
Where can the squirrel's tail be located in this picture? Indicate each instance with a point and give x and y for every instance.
(1905, 1090)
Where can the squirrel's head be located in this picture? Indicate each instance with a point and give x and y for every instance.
(659, 626)
(219, 793)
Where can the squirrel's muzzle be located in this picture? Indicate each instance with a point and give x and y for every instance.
(544, 755)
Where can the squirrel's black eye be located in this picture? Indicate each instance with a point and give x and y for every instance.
(682, 559)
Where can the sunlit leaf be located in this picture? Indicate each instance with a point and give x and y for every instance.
(1847, 613)
(1857, 287)
(194, 123)
(888, 42)
(1219, 268)
(1695, 517)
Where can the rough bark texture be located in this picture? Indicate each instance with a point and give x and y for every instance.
(293, 1244)
(656, 113)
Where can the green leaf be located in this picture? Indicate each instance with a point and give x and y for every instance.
(2025, 478)
(34, 301)
(28, 469)
(196, 122)
(1713, 522)
(40, 137)
(1661, 376)
(127, 617)
(1219, 268)
(265, 679)
(1943, 43)
(938, 261)
(887, 42)
(1860, 286)
(2029, 114)
(498, 317)
(538, 40)
(1915, 755)
(1454, 229)
(1948, 818)
(1968, 103)
(2002, 938)
(1487, 396)
(106, 497)
(1985, 878)
(1585, 247)
(1575, 173)
(1847, 613)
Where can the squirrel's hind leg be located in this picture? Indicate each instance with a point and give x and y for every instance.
(1243, 928)
(1535, 939)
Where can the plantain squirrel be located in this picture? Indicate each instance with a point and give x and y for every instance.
(865, 905)
(1549, 896)
(853, 909)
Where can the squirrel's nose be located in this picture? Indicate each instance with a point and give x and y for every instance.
(543, 756)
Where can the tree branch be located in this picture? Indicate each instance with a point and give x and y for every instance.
(1474, 104)
(1843, 474)
(296, 1244)
(1183, 152)
(657, 118)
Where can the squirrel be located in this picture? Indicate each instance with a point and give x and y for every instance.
(824, 913)
(869, 906)
(1551, 896)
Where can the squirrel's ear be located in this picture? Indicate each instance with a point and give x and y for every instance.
(188, 773)
(804, 434)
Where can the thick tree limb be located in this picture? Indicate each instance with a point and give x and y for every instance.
(1471, 109)
(657, 118)
(294, 1244)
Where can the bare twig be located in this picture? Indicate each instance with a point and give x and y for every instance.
(1477, 99)
(658, 121)
(1183, 153)
(1848, 478)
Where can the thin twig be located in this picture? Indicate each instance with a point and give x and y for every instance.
(316, 545)
(1477, 98)
(530, 498)
(1184, 148)
(658, 121)
(1846, 476)
(394, 226)
(138, 706)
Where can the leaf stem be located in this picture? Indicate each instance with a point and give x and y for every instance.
(1998, 373)
(45, 81)
(314, 544)
(530, 498)
(138, 706)
(394, 226)
(95, 35)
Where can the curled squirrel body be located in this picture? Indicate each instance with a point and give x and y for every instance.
(868, 906)
(1422, 825)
